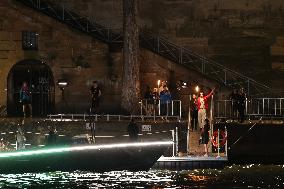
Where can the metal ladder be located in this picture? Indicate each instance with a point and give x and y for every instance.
(155, 43)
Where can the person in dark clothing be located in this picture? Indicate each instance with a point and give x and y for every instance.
(234, 102)
(241, 105)
(149, 101)
(156, 99)
(205, 136)
(95, 96)
(194, 112)
(133, 130)
(52, 136)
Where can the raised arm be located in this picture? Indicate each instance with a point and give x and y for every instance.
(210, 94)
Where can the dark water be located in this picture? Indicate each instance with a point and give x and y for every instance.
(236, 176)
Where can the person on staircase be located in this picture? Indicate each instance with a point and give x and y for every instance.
(194, 112)
(205, 136)
(202, 106)
(241, 105)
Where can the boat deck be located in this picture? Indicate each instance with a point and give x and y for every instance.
(190, 162)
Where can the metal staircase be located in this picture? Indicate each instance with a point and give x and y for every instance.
(157, 44)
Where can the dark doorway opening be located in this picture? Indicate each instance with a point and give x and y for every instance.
(40, 81)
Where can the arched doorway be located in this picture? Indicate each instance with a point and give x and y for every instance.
(41, 83)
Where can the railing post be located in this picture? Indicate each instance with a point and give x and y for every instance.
(188, 126)
(246, 106)
(226, 144)
(154, 110)
(211, 109)
(218, 108)
(268, 104)
(172, 107)
(263, 105)
(180, 110)
(280, 106)
(225, 106)
(176, 140)
(159, 107)
(275, 113)
(218, 144)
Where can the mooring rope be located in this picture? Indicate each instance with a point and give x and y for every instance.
(242, 136)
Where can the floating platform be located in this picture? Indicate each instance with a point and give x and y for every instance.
(190, 162)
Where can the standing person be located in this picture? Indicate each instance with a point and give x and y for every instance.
(20, 139)
(95, 96)
(133, 130)
(165, 99)
(161, 87)
(148, 96)
(205, 136)
(194, 112)
(202, 106)
(26, 98)
(234, 102)
(156, 99)
(52, 136)
(241, 105)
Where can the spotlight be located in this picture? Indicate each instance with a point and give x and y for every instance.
(62, 83)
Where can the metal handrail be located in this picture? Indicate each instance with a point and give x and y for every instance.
(155, 43)
(266, 107)
(150, 107)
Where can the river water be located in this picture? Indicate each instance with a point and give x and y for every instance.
(235, 176)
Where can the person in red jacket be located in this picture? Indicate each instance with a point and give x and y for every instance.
(202, 106)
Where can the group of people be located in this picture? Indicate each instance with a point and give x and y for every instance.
(238, 99)
(21, 139)
(160, 95)
(25, 98)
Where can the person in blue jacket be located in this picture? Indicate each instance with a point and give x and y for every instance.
(26, 98)
(165, 100)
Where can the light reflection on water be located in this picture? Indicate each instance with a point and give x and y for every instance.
(236, 176)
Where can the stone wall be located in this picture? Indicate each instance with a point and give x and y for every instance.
(59, 48)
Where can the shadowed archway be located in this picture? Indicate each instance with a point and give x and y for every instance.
(41, 83)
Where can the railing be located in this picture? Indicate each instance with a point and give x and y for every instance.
(154, 108)
(155, 43)
(255, 107)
